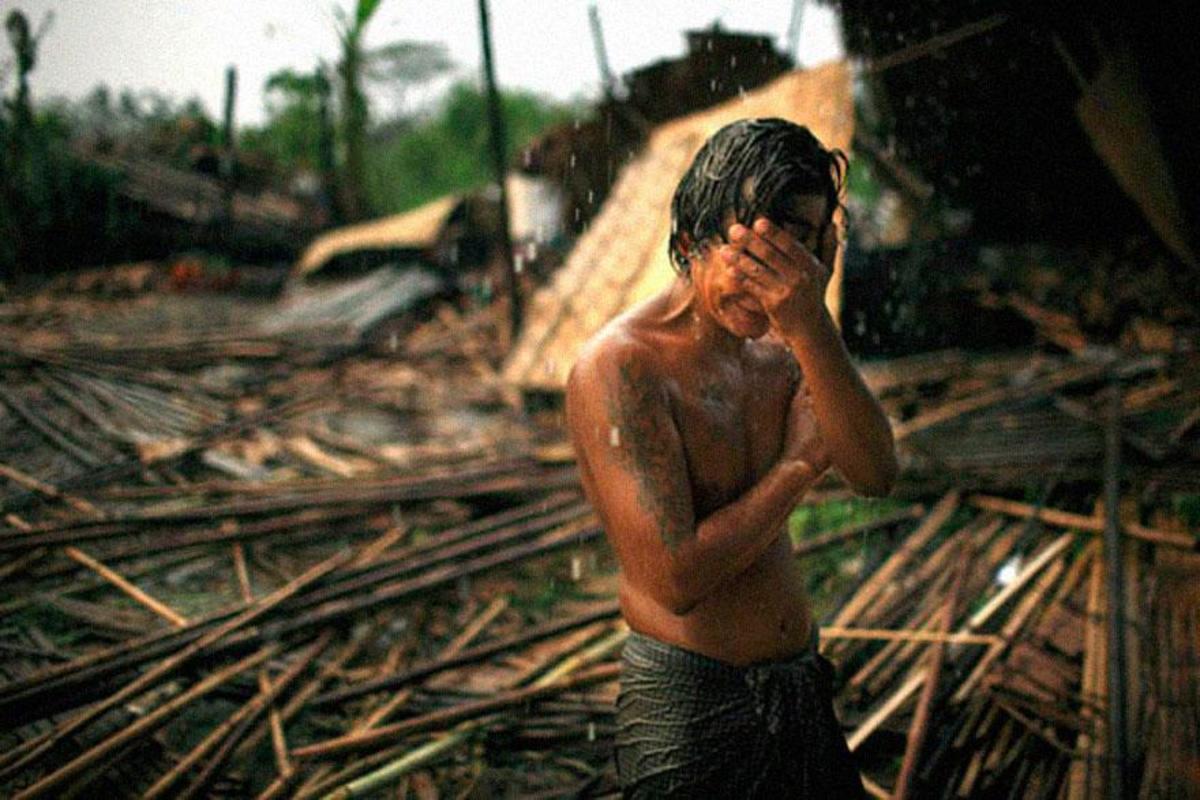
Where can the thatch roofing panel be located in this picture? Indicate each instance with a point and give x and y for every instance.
(413, 230)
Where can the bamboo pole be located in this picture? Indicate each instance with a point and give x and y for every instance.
(375, 717)
(247, 711)
(410, 761)
(32, 694)
(901, 695)
(351, 650)
(275, 721)
(1082, 522)
(459, 713)
(144, 725)
(1086, 777)
(447, 742)
(50, 432)
(157, 606)
(589, 655)
(1119, 779)
(910, 635)
(1012, 627)
(475, 654)
(176, 660)
(347, 653)
(475, 627)
(932, 523)
(937, 656)
(977, 402)
(119, 525)
(47, 490)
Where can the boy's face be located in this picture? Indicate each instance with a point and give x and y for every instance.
(720, 293)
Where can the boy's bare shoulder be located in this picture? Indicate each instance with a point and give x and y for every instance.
(622, 349)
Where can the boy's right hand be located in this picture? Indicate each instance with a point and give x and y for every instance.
(802, 439)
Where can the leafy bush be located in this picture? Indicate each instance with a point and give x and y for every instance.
(449, 151)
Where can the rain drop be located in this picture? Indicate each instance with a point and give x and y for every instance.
(1008, 572)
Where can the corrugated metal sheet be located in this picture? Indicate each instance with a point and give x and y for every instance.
(356, 305)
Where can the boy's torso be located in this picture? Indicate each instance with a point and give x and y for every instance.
(730, 413)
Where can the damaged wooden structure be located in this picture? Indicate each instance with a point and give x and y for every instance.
(252, 549)
(221, 577)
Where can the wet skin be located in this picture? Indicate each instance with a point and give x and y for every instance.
(697, 436)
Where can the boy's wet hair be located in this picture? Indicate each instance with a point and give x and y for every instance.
(752, 168)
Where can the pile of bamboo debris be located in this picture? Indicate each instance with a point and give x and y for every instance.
(224, 579)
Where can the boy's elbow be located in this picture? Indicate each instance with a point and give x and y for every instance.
(882, 479)
(678, 597)
(876, 488)
(887, 481)
(682, 607)
(677, 601)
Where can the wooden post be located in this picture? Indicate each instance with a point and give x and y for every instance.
(905, 784)
(496, 124)
(228, 147)
(606, 77)
(1114, 572)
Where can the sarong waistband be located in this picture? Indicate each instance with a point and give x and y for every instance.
(648, 649)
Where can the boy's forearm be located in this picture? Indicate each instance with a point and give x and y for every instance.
(856, 431)
(732, 538)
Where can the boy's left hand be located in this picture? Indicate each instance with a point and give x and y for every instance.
(781, 273)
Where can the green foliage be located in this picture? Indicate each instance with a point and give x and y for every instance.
(810, 520)
(51, 205)
(1187, 506)
(449, 152)
(831, 571)
(861, 183)
(291, 137)
(366, 9)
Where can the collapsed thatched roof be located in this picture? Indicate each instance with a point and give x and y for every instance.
(622, 258)
(418, 229)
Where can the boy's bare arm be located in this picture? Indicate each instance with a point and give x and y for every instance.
(625, 436)
(790, 282)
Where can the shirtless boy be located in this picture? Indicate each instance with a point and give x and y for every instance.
(700, 419)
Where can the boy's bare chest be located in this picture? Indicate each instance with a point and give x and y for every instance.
(732, 428)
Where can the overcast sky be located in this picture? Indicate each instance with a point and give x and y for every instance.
(181, 47)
